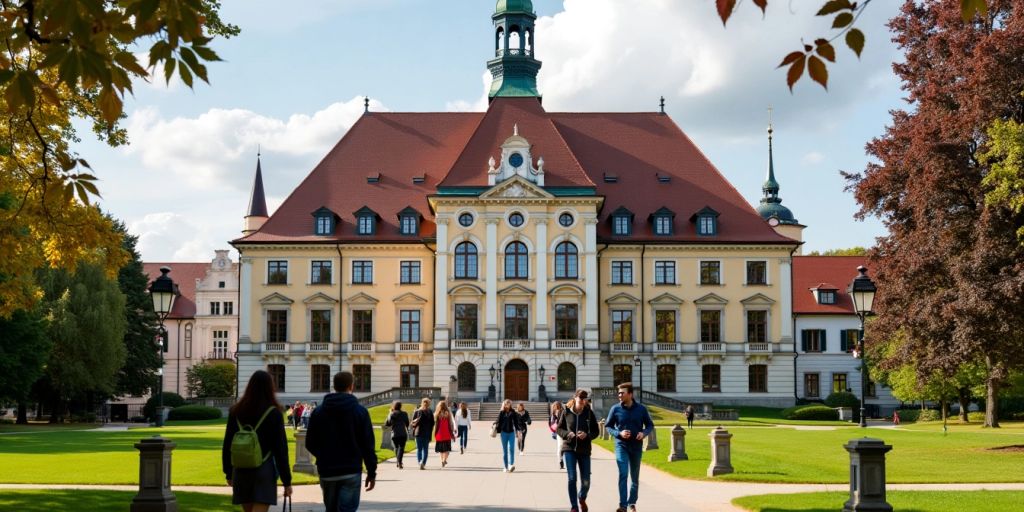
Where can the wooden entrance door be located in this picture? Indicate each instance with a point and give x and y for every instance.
(517, 380)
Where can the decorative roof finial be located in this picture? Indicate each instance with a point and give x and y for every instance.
(770, 124)
(515, 129)
(662, 104)
(257, 151)
(366, 104)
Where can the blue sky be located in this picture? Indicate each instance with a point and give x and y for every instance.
(292, 83)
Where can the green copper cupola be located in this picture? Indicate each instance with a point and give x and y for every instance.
(771, 208)
(514, 68)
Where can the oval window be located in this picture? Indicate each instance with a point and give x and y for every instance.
(515, 160)
(516, 219)
(565, 219)
(466, 219)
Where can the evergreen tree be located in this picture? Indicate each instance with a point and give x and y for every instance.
(24, 348)
(142, 359)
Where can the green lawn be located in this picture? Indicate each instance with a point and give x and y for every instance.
(817, 456)
(909, 501)
(47, 500)
(35, 426)
(111, 458)
(749, 417)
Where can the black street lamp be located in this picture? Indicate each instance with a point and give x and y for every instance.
(640, 383)
(862, 291)
(490, 389)
(542, 393)
(162, 292)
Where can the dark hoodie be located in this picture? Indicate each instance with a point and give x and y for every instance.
(340, 436)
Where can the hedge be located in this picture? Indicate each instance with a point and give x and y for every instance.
(170, 399)
(842, 399)
(912, 415)
(194, 412)
(811, 412)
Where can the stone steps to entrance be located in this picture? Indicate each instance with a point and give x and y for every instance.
(488, 411)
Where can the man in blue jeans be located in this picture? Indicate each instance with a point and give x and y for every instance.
(340, 436)
(629, 423)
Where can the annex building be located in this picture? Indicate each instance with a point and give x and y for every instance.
(549, 249)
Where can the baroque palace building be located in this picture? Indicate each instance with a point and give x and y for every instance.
(560, 250)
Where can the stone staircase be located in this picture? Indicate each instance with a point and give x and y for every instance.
(488, 411)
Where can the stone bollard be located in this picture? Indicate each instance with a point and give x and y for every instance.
(651, 441)
(386, 443)
(867, 475)
(721, 445)
(678, 450)
(604, 432)
(155, 476)
(303, 459)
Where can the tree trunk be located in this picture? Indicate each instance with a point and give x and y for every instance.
(22, 414)
(964, 397)
(992, 381)
(944, 408)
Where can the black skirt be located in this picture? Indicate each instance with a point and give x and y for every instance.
(255, 485)
(443, 446)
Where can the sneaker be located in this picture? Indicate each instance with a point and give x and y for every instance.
(461, 450)
(583, 505)
(632, 508)
(574, 509)
(512, 468)
(423, 465)
(400, 466)
(620, 509)
(444, 463)
(561, 464)
(505, 469)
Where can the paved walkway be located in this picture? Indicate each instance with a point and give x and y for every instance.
(475, 481)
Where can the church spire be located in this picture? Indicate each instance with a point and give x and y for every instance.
(771, 208)
(514, 68)
(257, 213)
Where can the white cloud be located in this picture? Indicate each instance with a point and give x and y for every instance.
(813, 158)
(189, 241)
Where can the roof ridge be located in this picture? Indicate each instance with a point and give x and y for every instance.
(569, 149)
(458, 157)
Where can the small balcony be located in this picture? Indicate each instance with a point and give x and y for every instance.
(560, 344)
(623, 348)
(409, 347)
(661, 347)
(467, 344)
(758, 348)
(274, 347)
(220, 355)
(516, 344)
(362, 347)
(711, 347)
(318, 348)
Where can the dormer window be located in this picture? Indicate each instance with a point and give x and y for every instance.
(663, 221)
(622, 222)
(409, 221)
(825, 293)
(707, 221)
(324, 221)
(366, 221)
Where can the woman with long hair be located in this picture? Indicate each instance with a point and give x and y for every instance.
(398, 420)
(507, 425)
(524, 422)
(422, 429)
(553, 417)
(255, 489)
(444, 432)
(464, 422)
(577, 427)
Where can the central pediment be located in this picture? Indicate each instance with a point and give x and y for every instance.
(516, 187)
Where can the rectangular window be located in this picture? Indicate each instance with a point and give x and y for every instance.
(277, 325)
(320, 272)
(622, 326)
(710, 326)
(758, 378)
(666, 378)
(276, 372)
(366, 225)
(664, 272)
(621, 224)
(871, 391)
(361, 372)
(711, 378)
(362, 326)
(706, 225)
(517, 321)
(812, 385)
(277, 272)
(319, 378)
(849, 339)
(320, 326)
(220, 345)
(813, 340)
(409, 330)
(622, 373)
(826, 296)
(229, 308)
(323, 225)
(188, 340)
(410, 272)
(839, 383)
(410, 375)
(757, 272)
(757, 326)
(362, 272)
(622, 272)
(566, 321)
(663, 225)
(409, 225)
(665, 326)
(215, 308)
(711, 272)
(466, 322)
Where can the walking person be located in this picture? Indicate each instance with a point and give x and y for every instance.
(629, 423)
(422, 429)
(297, 415)
(341, 438)
(507, 425)
(464, 422)
(524, 422)
(444, 432)
(689, 416)
(398, 420)
(577, 427)
(255, 488)
(553, 417)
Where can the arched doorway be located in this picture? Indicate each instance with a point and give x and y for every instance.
(517, 380)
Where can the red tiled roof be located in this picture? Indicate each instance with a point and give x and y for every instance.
(814, 271)
(452, 150)
(184, 276)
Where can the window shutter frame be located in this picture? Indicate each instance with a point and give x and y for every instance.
(805, 335)
(824, 340)
(843, 343)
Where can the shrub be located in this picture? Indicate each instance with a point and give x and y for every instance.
(912, 415)
(842, 399)
(170, 400)
(87, 417)
(814, 412)
(211, 380)
(194, 412)
(977, 416)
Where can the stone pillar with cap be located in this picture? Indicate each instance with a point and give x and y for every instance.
(604, 431)
(651, 441)
(867, 475)
(154, 476)
(678, 449)
(386, 442)
(303, 459)
(721, 457)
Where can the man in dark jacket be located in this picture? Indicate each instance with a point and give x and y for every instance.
(340, 436)
(577, 427)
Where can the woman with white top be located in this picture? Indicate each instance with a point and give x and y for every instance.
(464, 421)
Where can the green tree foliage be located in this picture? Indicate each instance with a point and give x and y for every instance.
(142, 359)
(851, 251)
(211, 380)
(1005, 153)
(87, 327)
(24, 349)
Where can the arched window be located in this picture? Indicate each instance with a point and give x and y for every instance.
(516, 263)
(465, 261)
(566, 377)
(467, 377)
(566, 263)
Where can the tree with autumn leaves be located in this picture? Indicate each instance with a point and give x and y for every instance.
(950, 272)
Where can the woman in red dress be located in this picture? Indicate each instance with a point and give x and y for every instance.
(444, 432)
